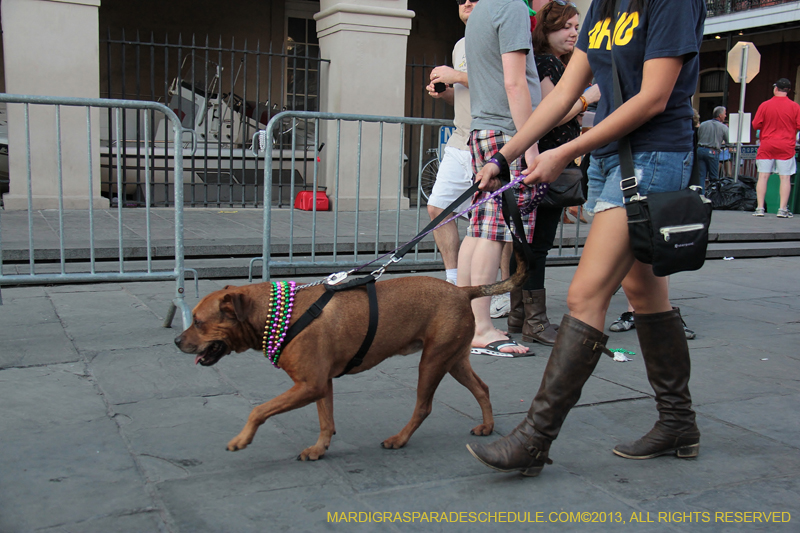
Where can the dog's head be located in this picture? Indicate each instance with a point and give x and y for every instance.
(219, 326)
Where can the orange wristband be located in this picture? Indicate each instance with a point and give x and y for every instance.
(585, 103)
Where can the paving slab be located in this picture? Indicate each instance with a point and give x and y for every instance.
(33, 332)
(135, 374)
(183, 437)
(101, 320)
(64, 462)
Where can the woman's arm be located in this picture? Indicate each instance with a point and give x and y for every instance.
(592, 95)
(658, 80)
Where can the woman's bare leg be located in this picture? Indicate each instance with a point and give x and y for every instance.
(605, 262)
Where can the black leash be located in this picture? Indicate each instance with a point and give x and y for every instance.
(466, 195)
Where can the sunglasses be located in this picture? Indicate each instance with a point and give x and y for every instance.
(563, 3)
(462, 2)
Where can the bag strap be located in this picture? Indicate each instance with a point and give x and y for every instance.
(511, 213)
(510, 210)
(629, 183)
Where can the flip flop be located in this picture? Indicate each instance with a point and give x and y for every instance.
(493, 349)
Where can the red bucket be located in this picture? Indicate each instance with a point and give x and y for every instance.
(305, 201)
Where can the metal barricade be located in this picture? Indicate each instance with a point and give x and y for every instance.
(47, 264)
(310, 242)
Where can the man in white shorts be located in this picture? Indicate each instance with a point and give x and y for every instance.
(455, 171)
(779, 121)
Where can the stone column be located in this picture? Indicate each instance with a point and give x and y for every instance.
(365, 41)
(51, 48)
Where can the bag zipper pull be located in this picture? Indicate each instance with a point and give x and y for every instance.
(667, 230)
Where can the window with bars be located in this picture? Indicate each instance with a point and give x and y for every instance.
(302, 64)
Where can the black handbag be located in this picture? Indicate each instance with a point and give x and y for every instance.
(566, 190)
(668, 230)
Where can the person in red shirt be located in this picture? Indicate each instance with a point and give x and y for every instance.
(779, 121)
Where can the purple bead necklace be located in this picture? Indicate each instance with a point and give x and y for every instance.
(281, 300)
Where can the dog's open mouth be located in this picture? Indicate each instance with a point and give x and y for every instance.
(215, 351)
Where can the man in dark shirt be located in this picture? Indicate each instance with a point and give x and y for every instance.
(712, 136)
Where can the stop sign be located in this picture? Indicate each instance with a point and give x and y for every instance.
(735, 61)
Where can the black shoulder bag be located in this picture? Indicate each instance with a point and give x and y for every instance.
(668, 230)
(566, 190)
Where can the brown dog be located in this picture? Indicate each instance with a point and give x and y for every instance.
(414, 313)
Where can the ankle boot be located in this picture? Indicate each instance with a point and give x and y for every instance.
(516, 316)
(526, 448)
(537, 327)
(666, 358)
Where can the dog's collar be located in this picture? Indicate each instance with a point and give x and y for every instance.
(281, 302)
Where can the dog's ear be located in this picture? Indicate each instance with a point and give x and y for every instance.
(235, 305)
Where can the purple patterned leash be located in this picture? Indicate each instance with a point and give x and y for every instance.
(338, 277)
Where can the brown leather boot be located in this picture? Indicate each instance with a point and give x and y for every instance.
(666, 358)
(575, 354)
(516, 316)
(537, 327)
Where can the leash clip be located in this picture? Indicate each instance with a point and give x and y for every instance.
(336, 278)
(379, 272)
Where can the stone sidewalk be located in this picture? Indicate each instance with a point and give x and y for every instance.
(105, 426)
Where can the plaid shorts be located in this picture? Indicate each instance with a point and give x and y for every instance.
(486, 221)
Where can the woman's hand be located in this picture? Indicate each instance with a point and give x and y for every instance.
(489, 174)
(488, 177)
(547, 167)
(531, 154)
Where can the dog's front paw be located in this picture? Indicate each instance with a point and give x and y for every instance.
(312, 453)
(238, 443)
(394, 443)
(482, 430)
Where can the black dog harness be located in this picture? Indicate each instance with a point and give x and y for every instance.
(316, 309)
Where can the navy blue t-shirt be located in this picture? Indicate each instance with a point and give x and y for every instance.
(664, 28)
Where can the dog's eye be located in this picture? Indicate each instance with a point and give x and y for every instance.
(197, 323)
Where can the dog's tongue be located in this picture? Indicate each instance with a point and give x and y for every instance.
(197, 359)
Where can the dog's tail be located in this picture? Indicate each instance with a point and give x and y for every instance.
(502, 287)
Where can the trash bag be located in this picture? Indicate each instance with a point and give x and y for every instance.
(749, 181)
(738, 196)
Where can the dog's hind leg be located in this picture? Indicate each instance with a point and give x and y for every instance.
(465, 375)
(431, 372)
(299, 395)
(326, 427)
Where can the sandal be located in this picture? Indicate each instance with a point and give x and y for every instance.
(493, 349)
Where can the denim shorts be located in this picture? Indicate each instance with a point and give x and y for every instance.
(656, 172)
